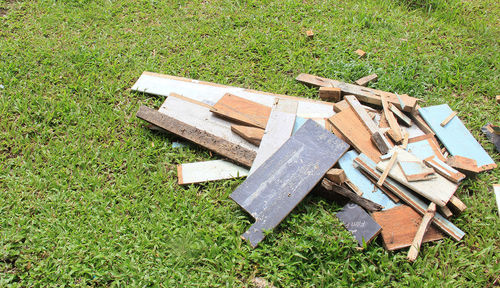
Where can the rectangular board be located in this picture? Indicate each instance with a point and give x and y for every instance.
(210, 93)
(278, 185)
(496, 190)
(455, 136)
(198, 172)
(399, 226)
(242, 110)
(359, 223)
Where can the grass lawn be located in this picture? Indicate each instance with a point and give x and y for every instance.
(89, 194)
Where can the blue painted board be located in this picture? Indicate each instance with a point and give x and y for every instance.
(454, 135)
(421, 149)
(364, 184)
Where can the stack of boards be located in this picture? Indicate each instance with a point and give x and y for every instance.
(395, 165)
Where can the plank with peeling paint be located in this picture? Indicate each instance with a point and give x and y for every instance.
(198, 172)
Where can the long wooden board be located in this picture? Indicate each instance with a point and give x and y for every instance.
(198, 172)
(359, 223)
(242, 110)
(210, 93)
(455, 136)
(235, 152)
(278, 185)
(364, 94)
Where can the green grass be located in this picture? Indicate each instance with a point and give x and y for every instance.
(89, 194)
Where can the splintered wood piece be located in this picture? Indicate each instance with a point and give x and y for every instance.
(424, 225)
(198, 172)
(242, 110)
(340, 106)
(360, 53)
(353, 187)
(399, 226)
(395, 131)
(406, 120)
(448, 119)
(416, 171)
(365, 80)
(445, 211)
(393, 159)
(336, 175)
(444, 169)
(251, 134)
(405, 140)
(369, 167)
(284, 179)
(330, 94)
(364, 94)
(310, 34)
(199, 136)
(352, 196)
(279, 129)
(347, 123)
(359, 223)
(464, 164)
(381, 142)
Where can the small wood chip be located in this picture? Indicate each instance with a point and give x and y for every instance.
(361, 53)
(310, 34)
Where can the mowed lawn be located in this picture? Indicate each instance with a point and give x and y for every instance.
(89, 194)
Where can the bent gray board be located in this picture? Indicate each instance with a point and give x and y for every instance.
(282, 181)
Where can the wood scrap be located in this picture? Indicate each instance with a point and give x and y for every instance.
(386, 171)
(310, 34)
(242, 110)
(360, 53)
(416, 171)
(340, 106)
(465, 165)
(336, 175)
(365, 80)
(448, 119)
(424, 225)
(395, 131)
(491, 135)
(457, 204)
(352, 196)
(359, 223)
(251, 134)
(405, 119)
(425, 146)
(330, 94)
(444, 169)
(198, 172)
(381, 142)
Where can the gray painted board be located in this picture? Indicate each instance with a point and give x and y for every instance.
(359, 223)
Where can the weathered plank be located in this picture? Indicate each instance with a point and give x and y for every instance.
(280, 183)
(365, 80)
(401, 115)
(381, 142)
(359, 223)
(424, 147)
(330, 94)
(279, 128)
(368, 166)
(251, 134)
(424, 225)
(395, 131)
(463, 164)
(242, 110)
(235, 152)
(399, 226)
(444, 169)
(198, 172)
(210, 93)
(361, 113)
(364, 94)
(455, 136)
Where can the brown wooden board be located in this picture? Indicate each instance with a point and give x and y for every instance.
(242, 110)
(399, 226)
(364, 81)
(271, 192)
(359, 223)
(219, 145)
(251, 134)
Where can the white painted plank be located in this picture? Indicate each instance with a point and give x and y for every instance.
(496, 188)
(199, 172)
(279, 128)
(210, 93)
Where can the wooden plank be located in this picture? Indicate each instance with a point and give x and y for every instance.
(352, 196)
(365, 80)
(424, 225)
(424, 147)
(336, 175)
(399, 226)
(444, 169)
(359, 223)
(438, 190)
(395, 131)
(210, 93)
(448, 119)
(420, 122)
(251, 134)
(406, 120)
(198, 172)
(364, 94)
(457, 204)
(494, 138)
(361, 113)
(242, 110)
(416, 171)
(280, 183)
(381, 142)
(330, 94)
(341, 105)
(386, 171)
(496, 190)
(369, 190)
(368, 166)
(455, 136)
(463, 164)
(347, 123)
(199, 136)
(279, 128)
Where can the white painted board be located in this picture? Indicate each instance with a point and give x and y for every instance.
(199, 172)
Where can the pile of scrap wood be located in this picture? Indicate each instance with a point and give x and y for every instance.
(399, 179)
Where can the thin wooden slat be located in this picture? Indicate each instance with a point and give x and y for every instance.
(361, 113)
(367, 79)
(444, 169)
(387, 169)
(424, 225)
(401, 115)
(251, 134)
(242, 110)
(279, 184)
(359, 223)
(395, 131)
(448, 119)
(198, 172)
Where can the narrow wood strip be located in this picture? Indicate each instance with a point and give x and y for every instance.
(395, 131)
(457, 204)
(251, 134)
(448, 119)
(355, 198)
(400, 115)
(365, 80)
(417, 241)
(394, 157)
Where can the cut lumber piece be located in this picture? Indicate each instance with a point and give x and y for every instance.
(381, 142)
(251, 134)
(416, 171)
(361, 113)
(219, 145)
(365, 80)
(388, 168)
(494, 138)
(364, 94)
(364, 184)
(340, 106)
(399, 226)
(395, 131)
(210, 93)
(463, 164)
(353, 187)
(360, 53)
(455, 136)
(336, 175)
(448, 119)
(359, 223)
(279, 184)
(404, 145)
(445, 211)
(496, 190)
(279, 128)
(424, 147)
(198, 172)
(424, 225)
(368, 166)
(420, 122)
(438, 190)
(347, 123)
(352, 196)
(444, 169)
(457, 204)
(405, 119)
(242, 110)
(330, 94)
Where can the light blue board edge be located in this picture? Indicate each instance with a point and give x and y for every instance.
(299, 121)
(455, 136)
(363, 183)
(421, 149)
(411, 168)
